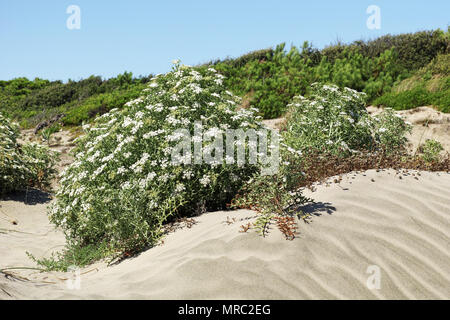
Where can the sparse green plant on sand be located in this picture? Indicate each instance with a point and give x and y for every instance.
(76, 255)
(49, 131)
(430, 150)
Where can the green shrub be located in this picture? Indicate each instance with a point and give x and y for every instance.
(76, 255)
(440, 65)
(442, 100)
(122, 186)
(100, 104)
(429, 85)
(336, 121)
(40, 162)
(332, 124)
(416, 97)
(389, 130)
(419, 96)
(415, 50)
(22, 166)
(34, 101)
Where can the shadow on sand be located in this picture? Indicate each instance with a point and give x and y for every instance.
(28, 197)
(318, 208)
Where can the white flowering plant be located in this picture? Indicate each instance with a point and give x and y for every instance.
(333, 123)
(389, 131)
(335, 120)
(23, 165)
(123, 185)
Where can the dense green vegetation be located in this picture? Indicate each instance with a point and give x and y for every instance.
(33, 101)
(266, 79)
(428, 86)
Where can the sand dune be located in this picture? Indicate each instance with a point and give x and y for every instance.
(402, 226)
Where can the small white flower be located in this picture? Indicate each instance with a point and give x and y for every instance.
(187, 174)
(205, 180)
(98, 171)
(126, 185)
(121, 170)
(151, 176)
(139, 114)
(180, 188)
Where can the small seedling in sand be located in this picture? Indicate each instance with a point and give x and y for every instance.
(48, 132)
(246, 227)
(230, 220)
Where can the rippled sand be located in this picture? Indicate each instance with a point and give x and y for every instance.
(401, 226)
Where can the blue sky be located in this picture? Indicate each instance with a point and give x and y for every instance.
(145, 36)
